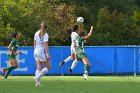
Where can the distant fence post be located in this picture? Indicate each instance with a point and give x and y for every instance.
(135, 63)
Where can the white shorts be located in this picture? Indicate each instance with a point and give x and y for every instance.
(73, 50)
(40, 55)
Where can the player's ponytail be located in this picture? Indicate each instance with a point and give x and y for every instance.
(73, 29)
(69, 30)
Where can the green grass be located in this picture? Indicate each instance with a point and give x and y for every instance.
(73, 84)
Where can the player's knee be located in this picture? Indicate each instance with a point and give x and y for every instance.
(49, 67)
(75, 61)
(73, 56)
(39, 68)
(16, 66)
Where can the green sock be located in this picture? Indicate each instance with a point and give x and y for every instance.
(7, 73)
(9, 69)
(86, 68)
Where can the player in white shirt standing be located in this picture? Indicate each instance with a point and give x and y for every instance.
(41, 52)
(73, 49)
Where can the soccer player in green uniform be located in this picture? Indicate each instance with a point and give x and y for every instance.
(81, 53)
(13, 46)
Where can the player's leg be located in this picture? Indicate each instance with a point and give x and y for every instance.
(13, 65)
(4, 69)
(68, 58)
(38, 70)
(39, 67)
(86, 66)
(44, 70)
(74, 63)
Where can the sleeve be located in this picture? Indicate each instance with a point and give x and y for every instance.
(46, 38)
(13, 42)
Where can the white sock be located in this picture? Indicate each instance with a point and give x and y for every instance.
(74, 64)
(86, 72)
(68, 59)
(42, 72)
(37, 72)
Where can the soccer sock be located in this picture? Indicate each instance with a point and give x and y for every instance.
(68, 59)
(74, 64)
(42, 72)
(37, 72)
(86, 68)
(9, 69)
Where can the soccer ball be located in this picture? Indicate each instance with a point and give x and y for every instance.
(80, 19)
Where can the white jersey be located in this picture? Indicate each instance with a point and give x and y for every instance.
(74, 35)
(40, 40)
(39, 52)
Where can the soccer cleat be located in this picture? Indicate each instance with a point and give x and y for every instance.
(5, 78)
(37, 81)
(62, 63)
(36, 85)
(3, 71)
(70, 71)
(85, 76)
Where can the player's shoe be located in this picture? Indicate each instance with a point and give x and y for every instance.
(61, 63)
(5, 78)
(85, 76)
(70, 71)
(3, 71)
(37, 81)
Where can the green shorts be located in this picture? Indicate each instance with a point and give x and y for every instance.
(10, 57)
(81, 55)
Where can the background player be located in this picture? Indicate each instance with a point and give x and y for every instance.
(13, 47)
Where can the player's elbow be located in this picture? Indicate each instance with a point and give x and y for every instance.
(9, 47)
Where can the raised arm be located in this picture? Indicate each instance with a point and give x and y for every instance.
(90, 33)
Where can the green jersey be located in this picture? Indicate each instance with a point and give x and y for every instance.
(15, 45)
(80, 44)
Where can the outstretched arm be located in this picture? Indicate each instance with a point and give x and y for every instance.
(90, 33)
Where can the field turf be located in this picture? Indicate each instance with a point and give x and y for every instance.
(71, 84)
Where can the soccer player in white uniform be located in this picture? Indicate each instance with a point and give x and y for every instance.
(73, 49)
(41, 52)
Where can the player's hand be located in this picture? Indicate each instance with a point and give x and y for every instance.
(48, 56)
(91, 27)
(85, 41)
(19, 52)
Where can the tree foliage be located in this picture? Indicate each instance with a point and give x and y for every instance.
(116, 22)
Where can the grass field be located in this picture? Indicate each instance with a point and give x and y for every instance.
(73, 84)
